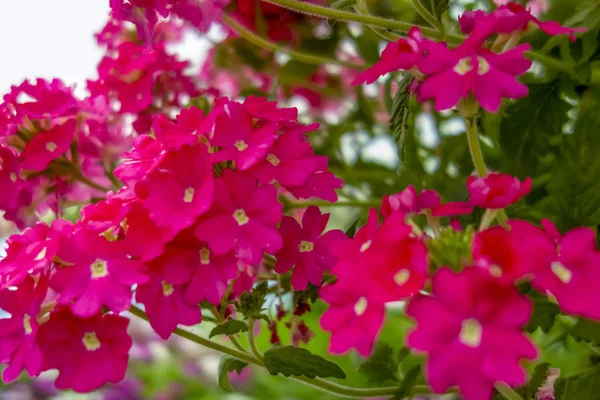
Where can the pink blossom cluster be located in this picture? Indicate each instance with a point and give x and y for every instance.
(199, 210)
(145, 14)
(447, 76)
(468, 323)
(49, 140)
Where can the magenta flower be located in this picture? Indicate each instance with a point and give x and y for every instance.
(470, 329)
(469, 69)
(240, 140)
(243, 218)
(18, 346)
(289, 162)
(567, 268)
(409, 202)
(10, 179)
(146, 155)
(87, 352)
(207, 275)
(179, 189)
(48, 146)
(165, 305)
(306, 248)
(321, 183)
(496, 190)
(100, 274)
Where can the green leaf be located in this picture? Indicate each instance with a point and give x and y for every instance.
(584, 386)
(586, 330)
(400, 113)
(228, 364)
(439, 7)
(538, 378)
(250, 304)
(250, 55)
(410, 378)
(380, 367)
(290, 360)
(544, 313)
(229, 327)
(364, 112)
(560, 387)
(451, 249)
(529, 126)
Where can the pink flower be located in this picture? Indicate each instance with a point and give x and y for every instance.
(567, 268)
(510, 18)
(48, 146)
(242, 217)
(179, 189)
(87, 352)
(144, 158)
(100, 274)
(470, 69)
(290, 161)
(471, 330)
(306, 248)
(409, 202)
(18, 345)
(321, 183)
(496, 190)
(165, 305)
(10, 179)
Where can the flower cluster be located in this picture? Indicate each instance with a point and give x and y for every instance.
(199, 210)
(448, 75)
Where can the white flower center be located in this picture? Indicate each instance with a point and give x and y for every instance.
(90, 341)
(240, 145)
(402, 277)
(305, 246)
(464, 66)
(483, 66)
(167, 288)
(41, 255)
(241, 217)
(27, 324)
(188, 195)
(51, 147)
(365, 246)
(99, 269)
(470, 333)
(272, 158)
(13, 177)
(495, 271)
(361, 306)
(204, 256)
(563, 273)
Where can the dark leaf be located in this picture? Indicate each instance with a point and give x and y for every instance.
(410, 378)
(290, 360)
(380, 367)
(229, 327)
(586, 330)
(584, 386)
(544, 312)
(538, 378)
(250, 304)
(227, 365)
(400, 113)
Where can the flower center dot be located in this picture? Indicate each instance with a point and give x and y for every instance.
(204, 256)
(51, 146)
(563, 273)
(361, 306)
(99, 269)
(90, 341)
(241, 217)
(167, 288)
(13, 177)
(240, 145)
(483, 66)
(495, 271)
(464, 66)
(41, 255)
(470, 333)
(188, 195)
(27, 324)
(402, 277)
(305, 246)
(365, 246)
(272, 158)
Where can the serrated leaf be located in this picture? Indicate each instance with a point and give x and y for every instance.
(584, 386)
(439, 7)
(380, 367)
(228, 364)
(544, 313)
(406, 385)
(250, 304)
(290, 360)
(400, 113)
(538, 378)
(529, 126)
(402, 354)
(560, 387)
(229, 327)
(586, 330)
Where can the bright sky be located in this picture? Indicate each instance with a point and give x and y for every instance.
(49, 38)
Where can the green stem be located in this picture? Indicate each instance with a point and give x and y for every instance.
(508, 392)
(361, 8)
(426, 15)
(268, 45)
(330, 13)
(552, 63)
(236, 343)
(319, 383)
(474, 147)
(252, 340)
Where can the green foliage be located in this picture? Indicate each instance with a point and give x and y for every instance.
(229, 327)
(437, 7)
(381, 366)
(228, 364)
(250, 304)
(544, 312)
(408, 382)
(451, 249)
(586, 330)
(400, 112)
(531, 126)
(537, 379)
(290, 360)
(583, 386)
